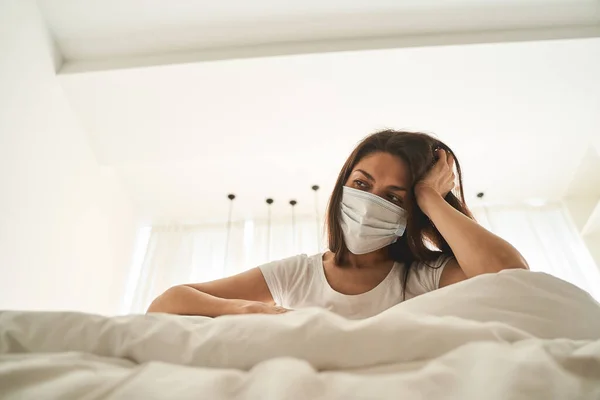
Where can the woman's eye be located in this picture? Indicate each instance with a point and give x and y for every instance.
(360, 184)
(395, 199)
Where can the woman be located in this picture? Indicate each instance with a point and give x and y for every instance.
(395, 228)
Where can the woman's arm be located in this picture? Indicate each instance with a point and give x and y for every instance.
(477, 250)
(240, 294)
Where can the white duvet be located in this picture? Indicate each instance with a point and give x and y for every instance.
(512, 335)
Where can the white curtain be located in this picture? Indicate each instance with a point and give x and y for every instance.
(548, 240)
(179, 254)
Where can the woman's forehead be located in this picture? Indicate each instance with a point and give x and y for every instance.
(384, 166)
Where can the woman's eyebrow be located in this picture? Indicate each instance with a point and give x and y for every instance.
(399, 188)
(369, 177)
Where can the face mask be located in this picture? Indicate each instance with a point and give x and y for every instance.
(369, 222)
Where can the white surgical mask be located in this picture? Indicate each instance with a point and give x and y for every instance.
(369, 222)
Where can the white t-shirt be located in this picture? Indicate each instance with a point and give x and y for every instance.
(299, 282)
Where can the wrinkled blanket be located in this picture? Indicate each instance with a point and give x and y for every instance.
(512, 335)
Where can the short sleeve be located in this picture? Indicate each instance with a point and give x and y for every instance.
(435, 272)
(426, 276)
(281, 275)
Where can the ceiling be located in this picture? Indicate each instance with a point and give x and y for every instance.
(521, 116)
(123, 33)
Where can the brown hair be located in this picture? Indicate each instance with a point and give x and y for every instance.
(417, 150)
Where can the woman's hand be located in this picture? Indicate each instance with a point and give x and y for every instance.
(477, 251)
(256, 307)
(440, 180)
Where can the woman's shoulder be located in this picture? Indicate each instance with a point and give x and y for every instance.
(297, 259)
(283, 275)
(293, 263)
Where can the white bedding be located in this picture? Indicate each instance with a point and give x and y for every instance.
(513, 335)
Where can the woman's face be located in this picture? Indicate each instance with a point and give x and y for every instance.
(382, 174)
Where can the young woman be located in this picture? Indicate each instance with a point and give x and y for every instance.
(398, 227)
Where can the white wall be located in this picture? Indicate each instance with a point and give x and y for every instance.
(593, 243)
(66, 225)
(581, 209)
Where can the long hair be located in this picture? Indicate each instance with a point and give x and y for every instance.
(421, 240)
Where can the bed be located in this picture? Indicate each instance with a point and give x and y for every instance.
(512, 335)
